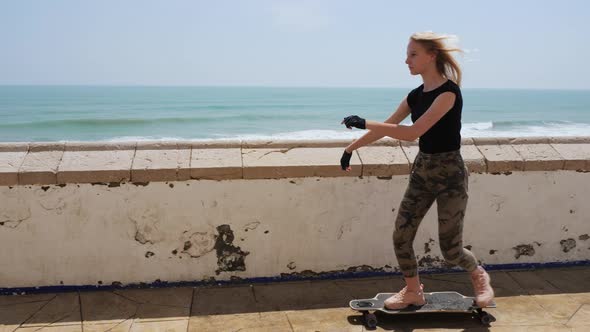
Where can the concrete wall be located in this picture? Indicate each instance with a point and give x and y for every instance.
(116, 214)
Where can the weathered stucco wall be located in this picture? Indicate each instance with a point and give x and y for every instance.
(94, 214)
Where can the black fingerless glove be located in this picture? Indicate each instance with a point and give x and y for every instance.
(345, 160)
(355, 121)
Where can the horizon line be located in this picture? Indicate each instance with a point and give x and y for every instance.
(279, 86)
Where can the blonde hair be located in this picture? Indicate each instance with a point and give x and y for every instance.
(446, 64)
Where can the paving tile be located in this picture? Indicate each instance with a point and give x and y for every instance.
(501, 158)
(505, 285)
(12, 316)
(530, 140)
(304, 295)
(294, 143)
(63, 309)
(160, 326)
(52, 328)
(10, 163)
(383, 161)
(95, 166)
(216, 164)
(177, 297)
(106, 308)
(473, 159)
(539, 157)
(533, 283)
(569, 280)
(520, 310)
(252, 321)
(41, 163)
(581, 317)
(119, 326)
(100, 146)
(576, 156)
(580, 298)
(153, 313)
(297, 162)
(329, 319)
(15, 299)
(570, 140)
(561, 307)
(161, 165)
(223, 301)
(14, 147)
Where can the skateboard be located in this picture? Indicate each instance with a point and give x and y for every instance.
(435, 302)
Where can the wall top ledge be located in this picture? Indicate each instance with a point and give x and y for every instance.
(257, 144)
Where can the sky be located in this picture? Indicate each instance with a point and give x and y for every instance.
(324, 43)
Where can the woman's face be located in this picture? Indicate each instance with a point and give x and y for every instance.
(417, 58)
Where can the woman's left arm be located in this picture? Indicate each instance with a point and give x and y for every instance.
(441, 105)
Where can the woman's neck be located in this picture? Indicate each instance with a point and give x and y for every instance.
(432, 80)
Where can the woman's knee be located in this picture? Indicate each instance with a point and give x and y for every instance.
(400, 238)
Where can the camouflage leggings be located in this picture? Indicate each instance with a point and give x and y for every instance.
(444, 178)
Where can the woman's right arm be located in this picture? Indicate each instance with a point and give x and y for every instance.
(403, 110)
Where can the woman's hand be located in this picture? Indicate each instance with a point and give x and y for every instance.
(345, 160)
(354, 121)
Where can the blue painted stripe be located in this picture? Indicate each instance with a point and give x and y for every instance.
(294, 277)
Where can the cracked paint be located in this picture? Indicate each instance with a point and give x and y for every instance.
(276, 151)
(346, 227)
(229, 257)
(354, 269)
(497, 202)
(199, 244)
(567, 244)
(427, 246)
(15, 210)
(524, 250)
(428, 261)
(251, 226)
(146, 225)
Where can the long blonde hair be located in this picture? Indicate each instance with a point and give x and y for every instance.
(446, 64)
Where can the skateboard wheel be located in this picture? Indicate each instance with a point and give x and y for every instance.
(486, 318)
(371, 320)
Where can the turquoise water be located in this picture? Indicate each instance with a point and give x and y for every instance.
(85, 113)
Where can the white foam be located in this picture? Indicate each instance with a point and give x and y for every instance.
(142, 138)
(476, 129)
(478, 126)
(544, 130)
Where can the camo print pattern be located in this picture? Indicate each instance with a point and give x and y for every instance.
(442, 177)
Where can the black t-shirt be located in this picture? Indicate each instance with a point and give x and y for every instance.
(444, 135)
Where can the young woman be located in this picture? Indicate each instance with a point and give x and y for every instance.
(438, 172)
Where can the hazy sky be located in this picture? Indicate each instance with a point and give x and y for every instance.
(509, 44)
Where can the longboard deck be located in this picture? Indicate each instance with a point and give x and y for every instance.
(435, 302)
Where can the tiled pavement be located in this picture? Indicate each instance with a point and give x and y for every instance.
(556, 299)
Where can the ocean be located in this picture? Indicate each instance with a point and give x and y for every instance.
(111, 113)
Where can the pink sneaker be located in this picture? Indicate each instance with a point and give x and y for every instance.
(405, 298)
(484, 293)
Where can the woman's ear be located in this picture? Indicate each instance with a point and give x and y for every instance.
(433, 55)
